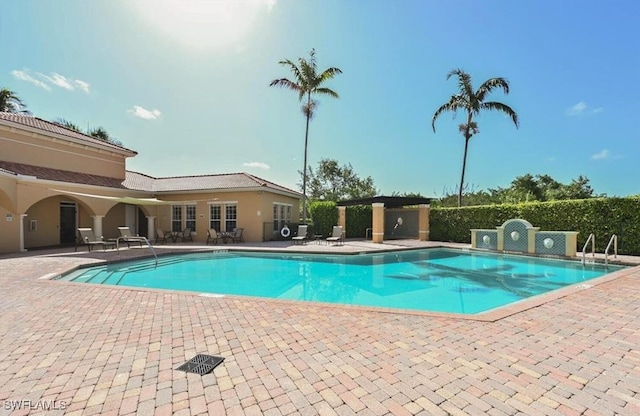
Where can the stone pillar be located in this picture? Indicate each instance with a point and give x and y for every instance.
(531, 239)
(500, 242)
(22, 217)
(423, 222)
(378, 222)
(151, 228)
(342, 220)
(97, 225)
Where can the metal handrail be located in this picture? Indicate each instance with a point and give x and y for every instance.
(591, 238)
(137, 238)
(614, 240)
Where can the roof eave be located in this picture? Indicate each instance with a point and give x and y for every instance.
(81, 143)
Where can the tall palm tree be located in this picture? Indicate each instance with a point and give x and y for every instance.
(11, 103)
(307, 82)
(472, 102)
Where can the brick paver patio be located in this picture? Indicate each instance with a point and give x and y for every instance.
(80, 349)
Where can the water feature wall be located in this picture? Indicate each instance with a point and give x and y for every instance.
(517, 235)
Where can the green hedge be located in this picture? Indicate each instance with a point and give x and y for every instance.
(600, 216)
(324, 215)
(359, 218)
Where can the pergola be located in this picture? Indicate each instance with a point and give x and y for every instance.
(379, 203)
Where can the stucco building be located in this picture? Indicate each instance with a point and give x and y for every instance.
(54, 180)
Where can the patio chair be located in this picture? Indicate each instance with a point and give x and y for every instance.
(87, 237)
(161, 236)
(236, 235)
(336, 235)
(186, 235)
(212, 235)
(128, 237)
(301, 235)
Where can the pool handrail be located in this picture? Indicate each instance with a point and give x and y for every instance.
(141, 238)
(592, 239)
(613, 240)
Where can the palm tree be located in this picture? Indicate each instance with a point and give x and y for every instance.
(98, 132)
(11, 103)
(307, 82)
(472, 103)
(67, 124)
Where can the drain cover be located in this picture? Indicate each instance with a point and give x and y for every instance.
(201, 364)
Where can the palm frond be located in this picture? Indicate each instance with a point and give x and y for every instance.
(329, 73)
(293, 67)
(285, 83)
(503, 108)
(490, 85)
(326, 91)
(453, 105)
(464, 82)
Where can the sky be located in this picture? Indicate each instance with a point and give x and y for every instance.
(186, 85)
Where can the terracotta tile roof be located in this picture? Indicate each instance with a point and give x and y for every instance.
(47, 126)
(59, 175)
(226, 181)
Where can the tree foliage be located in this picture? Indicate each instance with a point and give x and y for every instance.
(99, 133)
(11, 103)
(333, 182)
(525, 188)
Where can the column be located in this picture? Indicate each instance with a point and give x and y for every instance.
(22, 217)
(378, 222)
(151, 228)
(423, 222)
(97, 225)
(342, 220)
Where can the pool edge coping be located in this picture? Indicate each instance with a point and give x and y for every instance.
(492, 315)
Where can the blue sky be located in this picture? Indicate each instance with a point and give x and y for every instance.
(186, 85)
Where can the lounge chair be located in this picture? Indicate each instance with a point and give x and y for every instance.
(127, 237)
(161, 236)
(301, 236)
(212, 235)
(336, 235)
(87, 237)
(236, 235)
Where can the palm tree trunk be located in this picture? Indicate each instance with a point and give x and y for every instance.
(304, 171)
(464, 166)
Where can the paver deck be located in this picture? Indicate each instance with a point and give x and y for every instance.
(79, 349)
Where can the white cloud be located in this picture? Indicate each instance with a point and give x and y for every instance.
(59, 80)
(582, 108)
(84, 86)
(46, 81)
(23, 76)
(144, 113)
(603, 154)
(259, 165)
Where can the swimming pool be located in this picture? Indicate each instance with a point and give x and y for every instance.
(441, 280)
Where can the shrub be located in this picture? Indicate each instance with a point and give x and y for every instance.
(601, 216)
(324, 215)
(359, 218)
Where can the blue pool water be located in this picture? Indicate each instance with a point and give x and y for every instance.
(444, 280)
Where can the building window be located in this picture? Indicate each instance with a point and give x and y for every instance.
(215, 217)
(281, 215)
(190, 220)
(230, 217)
(176, 218)
(223, 216)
